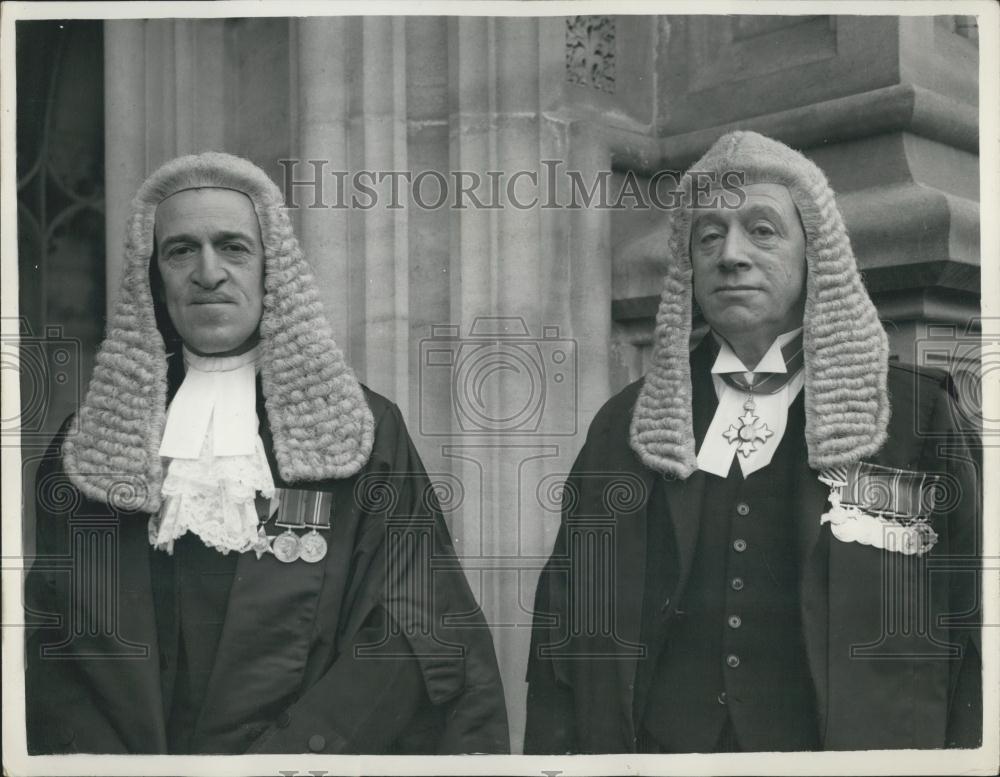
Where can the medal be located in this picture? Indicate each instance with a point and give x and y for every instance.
(316, 512)
(263, 544)
(312, 547)
(750, 431)
(285, 547)
(265, 507)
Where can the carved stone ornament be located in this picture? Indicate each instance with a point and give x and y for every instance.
(590, 51)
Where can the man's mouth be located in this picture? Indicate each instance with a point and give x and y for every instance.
(212, 301)
(726, 289)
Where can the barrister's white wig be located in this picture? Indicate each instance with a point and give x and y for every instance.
(846, 348)
(321, 424)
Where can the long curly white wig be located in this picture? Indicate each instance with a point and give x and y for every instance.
(846, 348)
(321, 424)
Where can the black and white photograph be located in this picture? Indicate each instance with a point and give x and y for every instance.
(542, 388)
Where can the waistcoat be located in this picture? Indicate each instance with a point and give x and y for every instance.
(733, 648)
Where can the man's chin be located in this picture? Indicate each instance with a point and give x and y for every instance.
(736, 320)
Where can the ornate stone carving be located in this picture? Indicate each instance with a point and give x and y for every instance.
(590, 51)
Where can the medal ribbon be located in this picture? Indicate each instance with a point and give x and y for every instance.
(301, 508)
(880, 506)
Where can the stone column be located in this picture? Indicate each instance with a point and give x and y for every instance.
(124, 136)
(320, 146)
(381, 120)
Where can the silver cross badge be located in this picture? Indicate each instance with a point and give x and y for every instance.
(750, 431)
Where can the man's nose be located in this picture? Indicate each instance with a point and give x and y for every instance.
(735, 255)
(209, 271)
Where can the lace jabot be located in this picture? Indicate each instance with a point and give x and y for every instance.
(215, 459)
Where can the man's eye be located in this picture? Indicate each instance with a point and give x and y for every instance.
(178, 251)
(709, 237)
(234, 248)
(763, 230)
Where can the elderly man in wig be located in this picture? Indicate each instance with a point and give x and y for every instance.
(274, 574)
(786, 562)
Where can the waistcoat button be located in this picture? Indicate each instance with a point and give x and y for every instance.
(732, 660)
(721, 698)
(739, 545)
(737, 584)
(743, 508)
(735, 621)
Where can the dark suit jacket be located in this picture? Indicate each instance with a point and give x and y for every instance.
(891, 641)
(380, 647)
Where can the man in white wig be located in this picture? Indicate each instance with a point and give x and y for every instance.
(786, 564)
(254, 559)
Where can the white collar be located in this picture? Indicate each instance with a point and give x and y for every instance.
(218, 393)
(773, 361)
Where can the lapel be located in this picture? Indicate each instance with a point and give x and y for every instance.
(262, 653)
(683, 503)
(165, 605)
(630, 572)
(684, 497)
(807, 504)
(130, 680)
(266, 636)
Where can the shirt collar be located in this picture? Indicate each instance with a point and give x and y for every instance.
(773, 361)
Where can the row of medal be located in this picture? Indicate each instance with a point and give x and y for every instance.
(298, 509)
(850, 524)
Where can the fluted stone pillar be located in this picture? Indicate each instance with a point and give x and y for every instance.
(124, 136)
(321, 53)
(382, 124)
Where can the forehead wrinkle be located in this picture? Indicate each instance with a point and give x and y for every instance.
(222, 234)
(765, 209)
(750, 210)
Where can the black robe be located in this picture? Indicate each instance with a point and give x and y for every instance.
(892, 641)
(379, 648)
